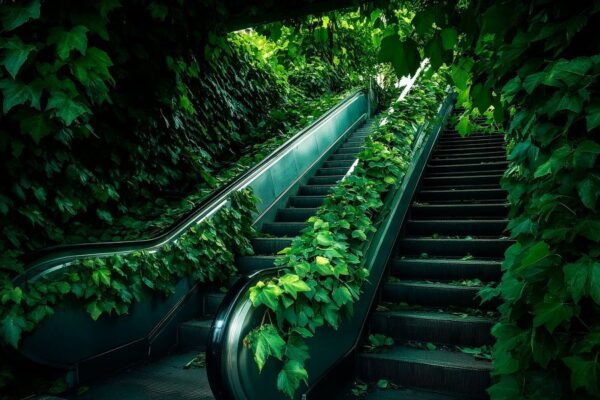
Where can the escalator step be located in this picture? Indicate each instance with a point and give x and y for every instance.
(194, 334)
(306, 201)
(265, 246)
(469, 151)
(349, 150)
(331, 171)
(295, 214)
(435, 370)
(325, 180)
(459, 211)
(469, 156)
(456, 227)
(409, 394)
(340, 163)
(424, 293)
(284, 229)
(465, 194)
(353, 142)
(436, 174)
(445, 269)
(457, 180)
(434, 327)
(447, 146)
(250, 264)
(489, 248)
(212, 301)
(315, 190)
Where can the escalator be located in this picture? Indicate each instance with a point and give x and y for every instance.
(452, 245)
(150, 345)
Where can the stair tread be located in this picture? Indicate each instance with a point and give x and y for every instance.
(198, 323)
(435, 315)
(410, 394)
(446, 359)
(434, 285)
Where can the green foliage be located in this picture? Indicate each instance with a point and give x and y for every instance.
(110, 285)
(533, 63)
(323, 270)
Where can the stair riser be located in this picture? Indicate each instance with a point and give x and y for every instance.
(448, 195)
(283, 230)
(432, 377)
(467, 160)
(331, 171)
(212, 301)
(315, 190)
(454, 248)
(467, 167)
(343, 163)
(448, 270)
(353, 143)
(461, 228)
(483, 151)
(431, 295)
(348, 150)
(324, 180)
(192, 337)
(451, 174)
(485, 211)
(295, 214)
(458, 180)
(250, 264)
(267, 246)
(401, 328)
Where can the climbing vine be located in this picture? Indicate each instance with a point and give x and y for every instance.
(323, 270)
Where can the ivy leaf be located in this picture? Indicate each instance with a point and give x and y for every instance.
(507, 388)
(292, 284)
(15, 54)
(593, 116)
(66, 108)
(449, 38)
(325, 239)
(290, 377)
(595, 282)
(37, 126)
(14, 16)
(403, 56)
(585, 154)
(17, 93)
(435, 52)
(588, 192)
(266, 294)
(266, 342)
(11, 329)
(577, 276)
(584, 373)
(67, 41)
(341, 295)
(94, 310)
(551, 312)
(532, 81)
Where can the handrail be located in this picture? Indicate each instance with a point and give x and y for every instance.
(49, 259)
(235, 315)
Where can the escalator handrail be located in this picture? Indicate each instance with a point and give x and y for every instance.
(237, 293)
(54, 256)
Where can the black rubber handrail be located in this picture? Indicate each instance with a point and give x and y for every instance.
(212, 201)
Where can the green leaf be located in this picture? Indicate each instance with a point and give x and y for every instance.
(584, 373)
(449, 38)
(383, 384)
(507, 388)
(403, 56)
(65, 107)
(588, 192)
(435, 52)
(532, 81)
(592, 118)
(16, 15)
(67, 41)
(460, 77)
(266, 342)
(551, 312)
(290, 377)
(36, 126)
(325, 239)
(577, 276)
(585, 154)
(292, 284)
(267, 294)
(595, 282)
(341, 295)
(15, 54)
(17, 93)
(11, 329)
(94, 310)
(359, 234)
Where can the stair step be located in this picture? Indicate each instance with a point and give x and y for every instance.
(490, 248)
(466, 227)
(266, 246)
(434, 370)
(435, 327)
(466, 174)
(459, 211)
(442, 151)
(331, 171)
(474, 159)
(250, 264)
(461, 179)
(194, 334)
(410, 394)
(306, 201)
(352, 142)
(431, 294)
(315, 190)
(212, 301)
(466, 167)
(340, 163)
(285, 229)
(325, 180)
(445, 269)
(295, 214)
(348, 150)
(498, 144)
(464, 194)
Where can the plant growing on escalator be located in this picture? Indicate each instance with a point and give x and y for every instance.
(323, 270)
